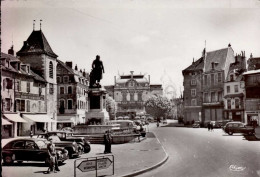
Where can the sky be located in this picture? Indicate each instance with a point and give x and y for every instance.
(159, 38)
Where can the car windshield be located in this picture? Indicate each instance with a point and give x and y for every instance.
(41, 144)
(55, 138)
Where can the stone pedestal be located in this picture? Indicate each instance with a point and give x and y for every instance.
(97, 114)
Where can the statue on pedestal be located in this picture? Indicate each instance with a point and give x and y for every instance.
(96, 73)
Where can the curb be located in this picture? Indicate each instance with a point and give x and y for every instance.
(149, 168)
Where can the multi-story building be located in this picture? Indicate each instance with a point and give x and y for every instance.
(72, 95)
(37, 52)
(130, 93)
(28, 93)
(252, 100)
(253, 63)
(234, 90)
(216, 67)
(192, 94)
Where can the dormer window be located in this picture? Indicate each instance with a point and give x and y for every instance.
(212, 65)
(231, 77)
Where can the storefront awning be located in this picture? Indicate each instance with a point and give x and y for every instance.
(65, 119)
(14, 118)
(38, 118)
(5, 122)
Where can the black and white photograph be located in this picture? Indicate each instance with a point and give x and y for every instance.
(149, 88)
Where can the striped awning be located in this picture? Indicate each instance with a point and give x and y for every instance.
(14, 117)
(38, 118)
(5, 122)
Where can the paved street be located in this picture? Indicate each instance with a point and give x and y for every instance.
(197, 153)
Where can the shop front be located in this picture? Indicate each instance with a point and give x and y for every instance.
(6, 130)
(252, 117)
(17, 122)
(65, 121)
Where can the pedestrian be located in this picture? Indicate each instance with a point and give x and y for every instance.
(107, 142)
(158, 123)
(209, 127)
(31, 134)
(53, 163)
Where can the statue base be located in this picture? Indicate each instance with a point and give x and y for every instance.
(97, 114)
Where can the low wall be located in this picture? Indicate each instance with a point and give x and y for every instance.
(94, 129)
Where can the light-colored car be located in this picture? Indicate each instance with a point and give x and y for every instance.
(164, 121)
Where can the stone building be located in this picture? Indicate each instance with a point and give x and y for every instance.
(37, 53)
(72, 95)
(234, 90)
(253, 63)
(192, 94)
(252, 98)
(130, 93)
(216, 67)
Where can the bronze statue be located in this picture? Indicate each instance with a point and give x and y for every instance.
(96, 73)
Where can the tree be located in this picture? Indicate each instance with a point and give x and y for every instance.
(158, 106)
(111, 107)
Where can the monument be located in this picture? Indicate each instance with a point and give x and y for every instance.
(97, 114)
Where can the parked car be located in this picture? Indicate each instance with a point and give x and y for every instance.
(164, 121)
(238, 127)
(30, 149)
(196, 124)
(69, 136)
(71, 147)
(215, 124)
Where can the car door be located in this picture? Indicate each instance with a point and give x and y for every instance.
(30, 150)
(18, 150)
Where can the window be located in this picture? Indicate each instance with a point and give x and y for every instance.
(193, 102)
(18, 86)
(206, 97)
(40, 89)
(7, 104)
(69, 104)
(61, 90)
(229, 104)
(236, 88)
(228, 89)
(205, 79)
(193, 92)
(28, 87)
(231, 77)
(212, 79)
(69, 89)
(193, 82)
(213, 97)
(50, 69)
(66, 79)
(219, 77)
(28, 105)
(237, 103)
(9, 83)
(30, 145)
(51, 90)
(18, 145)
(40, 105)
(219, 96)
(58, 79)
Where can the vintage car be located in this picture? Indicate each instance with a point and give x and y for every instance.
(83, 144)
(30, 149)
(196, 124)
(238, 127)
(71, 147)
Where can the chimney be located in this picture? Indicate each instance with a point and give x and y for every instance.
(76, 67)
(132, 72)
(115, 79)
(229, 45)
(84, 73)
(80, 70)
(251, 55)
(149, 79)
(11, 50)
(69, 64)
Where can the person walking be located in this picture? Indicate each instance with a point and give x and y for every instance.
(53, 164)
(107, 142)
(209, 127)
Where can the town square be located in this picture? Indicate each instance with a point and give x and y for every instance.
(130, 88)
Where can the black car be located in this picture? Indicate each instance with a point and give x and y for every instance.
(238, 127)
(70, 146)
(30, 149)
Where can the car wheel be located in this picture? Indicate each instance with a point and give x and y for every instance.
(230, 133)
(8, 160)
(20, 161)
(87, 149)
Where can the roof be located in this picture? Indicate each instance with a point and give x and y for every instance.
(218, 57)
(252, 72)
(36, 43)
(197, 65)
(8, 56)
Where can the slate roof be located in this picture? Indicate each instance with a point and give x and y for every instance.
(217, 56)
(8, 56)
(37, 43)
(197, 65)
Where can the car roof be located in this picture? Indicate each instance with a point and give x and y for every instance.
(26, 139)
(234, 122)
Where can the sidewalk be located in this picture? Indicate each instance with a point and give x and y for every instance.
(131, 159)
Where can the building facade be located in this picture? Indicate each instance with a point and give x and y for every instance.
(130, 93)
(37, 52)
(234, 90)
(192, 94)
(72, 95)
(252, 98)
